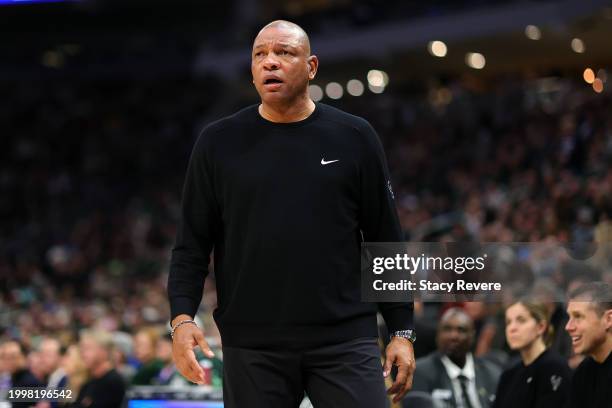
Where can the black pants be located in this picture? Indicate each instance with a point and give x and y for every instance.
(345, 375)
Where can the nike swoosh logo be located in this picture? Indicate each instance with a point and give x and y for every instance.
(323, 162)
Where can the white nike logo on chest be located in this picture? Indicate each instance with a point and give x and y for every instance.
(323, 162)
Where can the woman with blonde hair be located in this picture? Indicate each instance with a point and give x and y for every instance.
(75, 370)
(145, 348)
(542, 378)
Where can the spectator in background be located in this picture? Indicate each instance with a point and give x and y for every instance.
(35, 366)
(145, 348)
(50, 352)
(50, 357)
(452, 374)
(164, 354)
(546, 293)
(15, 363)
(541, 378)
(105, 387)
(5, 376)
(590, 327)
(75, 370)
(124, 344)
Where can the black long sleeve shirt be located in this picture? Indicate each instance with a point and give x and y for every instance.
(591, 384)
(545, 383)
(285, 207)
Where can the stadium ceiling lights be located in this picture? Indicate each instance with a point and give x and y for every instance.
(578, 45)
(475, 60)
(603, 75)
(437, 48)
(377, 77)
(598, 85)
(377, 80)
(533, 32)
(316, 93)
(355, 87)
(334, 90)
(597, 82)
(588, 75)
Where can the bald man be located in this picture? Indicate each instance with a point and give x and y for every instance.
(452, 375)
(285, 191)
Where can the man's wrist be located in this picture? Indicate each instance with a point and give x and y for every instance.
(179, 324)
(409, 335)
(180, 318)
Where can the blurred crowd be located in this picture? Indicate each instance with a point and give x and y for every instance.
(91, 176)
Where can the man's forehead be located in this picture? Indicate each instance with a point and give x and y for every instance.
(282, 43)
(279, 35)
(582, 306)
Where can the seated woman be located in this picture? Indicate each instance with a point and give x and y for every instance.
(145, 345)
(542, 378)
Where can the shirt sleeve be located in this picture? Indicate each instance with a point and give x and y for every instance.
(198, 226)
(378, 218)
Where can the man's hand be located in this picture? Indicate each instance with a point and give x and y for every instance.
(186, 338)
(400, 352)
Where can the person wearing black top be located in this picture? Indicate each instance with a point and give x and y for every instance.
(105, 387)
(542, 378)
(590, 327)
(285, 192)
(15, 360)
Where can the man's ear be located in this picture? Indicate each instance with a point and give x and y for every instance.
(313, 64)
(608, 319)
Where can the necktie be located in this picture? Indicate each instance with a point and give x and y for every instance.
(463, 381)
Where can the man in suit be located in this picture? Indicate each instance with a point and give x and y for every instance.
(452, 375)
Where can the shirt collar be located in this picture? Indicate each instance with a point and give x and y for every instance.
(454, 371)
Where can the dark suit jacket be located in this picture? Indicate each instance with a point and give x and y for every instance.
(431, 375)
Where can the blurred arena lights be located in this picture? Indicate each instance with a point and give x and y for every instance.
(588, 75)
(334, 90)
(603, 75)
(578, 45)
(437, 48)
(355, 87)
(533, 32)
(475, 60)
(376, 89)
(598, 85)
(377, 78)
(316, 93)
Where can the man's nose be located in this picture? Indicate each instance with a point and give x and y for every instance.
(569, 326)
(271, 62)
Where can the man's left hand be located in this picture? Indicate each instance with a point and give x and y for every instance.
(400, 353)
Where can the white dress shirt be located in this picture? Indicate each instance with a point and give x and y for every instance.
(468, 371)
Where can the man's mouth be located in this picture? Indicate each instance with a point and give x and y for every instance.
(576, 339)
(270, 81)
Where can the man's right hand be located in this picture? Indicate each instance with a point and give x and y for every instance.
(186, 338)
